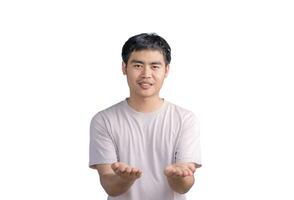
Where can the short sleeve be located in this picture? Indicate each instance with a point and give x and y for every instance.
(102, 148)
(188, 147)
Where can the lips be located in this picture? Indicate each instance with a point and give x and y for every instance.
(145, 85)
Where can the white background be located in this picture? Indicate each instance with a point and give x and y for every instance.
(232, 64)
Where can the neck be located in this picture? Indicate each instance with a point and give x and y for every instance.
(145, 105)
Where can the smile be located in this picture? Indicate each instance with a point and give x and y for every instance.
(145, 85)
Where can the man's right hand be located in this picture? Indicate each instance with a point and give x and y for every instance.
(126, 172)
(118, 177)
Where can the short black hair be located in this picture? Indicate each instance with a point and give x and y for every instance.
(145, 41)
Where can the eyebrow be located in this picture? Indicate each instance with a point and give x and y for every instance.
(137, 61)
(141, 62)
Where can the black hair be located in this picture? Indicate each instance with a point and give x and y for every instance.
(144, 41)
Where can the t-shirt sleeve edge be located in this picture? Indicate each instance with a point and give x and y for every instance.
(197, 163)
(92, 165)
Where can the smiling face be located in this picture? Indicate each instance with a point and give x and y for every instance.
(146, 71)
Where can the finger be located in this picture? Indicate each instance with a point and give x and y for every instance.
(114, 166)
(122, 168)
(190, 173)
(181, 172)
(139, 173)
(167, 171)
(134, 171)
(176, 172)
(170, 171)
(128, 170)
(118, 172)
(185, 173)
(192, 167)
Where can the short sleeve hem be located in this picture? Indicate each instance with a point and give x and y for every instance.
(92, 164)
(197, 163)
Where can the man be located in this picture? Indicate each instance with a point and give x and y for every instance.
(144, 147)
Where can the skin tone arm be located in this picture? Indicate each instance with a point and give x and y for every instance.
(180, 176)
(118, 177)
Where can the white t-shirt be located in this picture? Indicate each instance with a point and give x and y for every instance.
(149, 141)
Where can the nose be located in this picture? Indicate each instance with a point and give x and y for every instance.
(146, 72)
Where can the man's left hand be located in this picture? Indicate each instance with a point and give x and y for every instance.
(180, 170)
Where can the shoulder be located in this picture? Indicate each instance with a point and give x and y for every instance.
(108, 112)
(180, 110)
(182, 113)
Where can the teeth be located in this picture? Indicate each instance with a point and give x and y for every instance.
(145, 85)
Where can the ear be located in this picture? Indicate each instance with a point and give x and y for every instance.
(124, 68)
(166, 71)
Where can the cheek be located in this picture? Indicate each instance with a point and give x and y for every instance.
(160, 77)
(132, 78)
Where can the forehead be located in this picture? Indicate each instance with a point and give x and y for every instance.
(147, 56)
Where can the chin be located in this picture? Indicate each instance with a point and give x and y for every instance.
(145, 95)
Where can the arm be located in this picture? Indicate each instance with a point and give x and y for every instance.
(180, 176)
(117, 178)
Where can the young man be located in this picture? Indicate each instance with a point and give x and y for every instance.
(144, 147)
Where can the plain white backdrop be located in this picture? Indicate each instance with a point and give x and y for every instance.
(232, 65)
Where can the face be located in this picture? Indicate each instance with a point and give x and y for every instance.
(145, 71)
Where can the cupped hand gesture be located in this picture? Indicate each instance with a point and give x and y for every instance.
(180, 170)
(125, 171)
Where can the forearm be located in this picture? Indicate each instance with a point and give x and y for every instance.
(114, 185)
(181, 184)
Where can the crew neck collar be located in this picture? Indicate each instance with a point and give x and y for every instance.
(132, 110)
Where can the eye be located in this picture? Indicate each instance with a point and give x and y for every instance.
(137, 66)
(155, 67)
